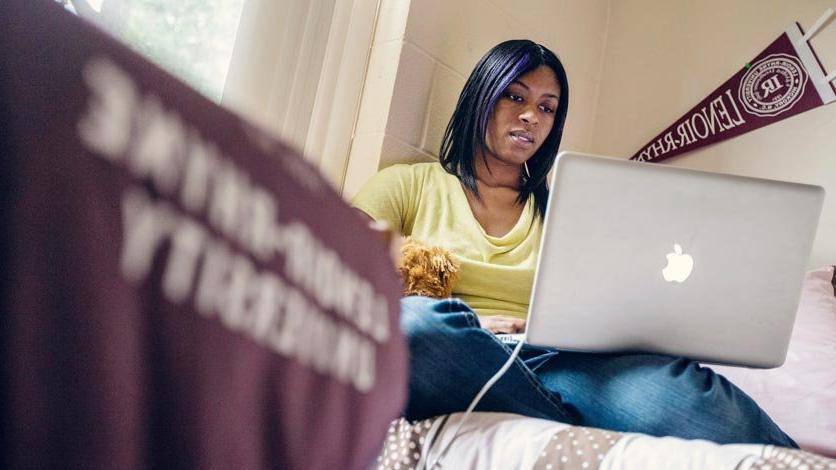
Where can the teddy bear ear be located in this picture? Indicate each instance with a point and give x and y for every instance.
(438, 261)
(449, 265)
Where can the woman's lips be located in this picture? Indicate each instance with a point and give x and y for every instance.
(522, 138)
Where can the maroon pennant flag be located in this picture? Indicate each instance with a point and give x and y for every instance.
(784, 80)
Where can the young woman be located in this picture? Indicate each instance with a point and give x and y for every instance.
(485, 201)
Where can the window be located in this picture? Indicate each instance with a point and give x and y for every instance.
(192, 39)
(295, 67)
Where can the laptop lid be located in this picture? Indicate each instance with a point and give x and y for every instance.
(641, 257)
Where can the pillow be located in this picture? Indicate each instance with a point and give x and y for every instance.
(800, 396)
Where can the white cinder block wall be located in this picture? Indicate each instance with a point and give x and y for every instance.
(423, 51)
(663, 57)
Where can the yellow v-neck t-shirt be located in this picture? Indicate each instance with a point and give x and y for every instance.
(424, 201)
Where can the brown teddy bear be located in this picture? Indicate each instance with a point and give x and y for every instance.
(430, 271)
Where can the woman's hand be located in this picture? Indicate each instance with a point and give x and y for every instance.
(502, 324)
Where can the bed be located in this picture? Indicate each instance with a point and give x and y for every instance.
(504, 441)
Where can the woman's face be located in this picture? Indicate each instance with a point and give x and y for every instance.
(522, 117)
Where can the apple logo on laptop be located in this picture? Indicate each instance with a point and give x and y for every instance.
(679, 266)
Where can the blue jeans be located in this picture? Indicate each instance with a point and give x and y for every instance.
(451, 357)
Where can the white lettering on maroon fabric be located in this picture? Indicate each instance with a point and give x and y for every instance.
(714, 118)
(191, 178)
(107, 126)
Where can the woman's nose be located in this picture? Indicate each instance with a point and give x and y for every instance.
(528, 116)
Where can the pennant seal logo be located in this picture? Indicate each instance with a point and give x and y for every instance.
(772, 85)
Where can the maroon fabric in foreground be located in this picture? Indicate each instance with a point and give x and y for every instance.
(178, 290)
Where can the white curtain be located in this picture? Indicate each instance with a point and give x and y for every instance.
(298, 69)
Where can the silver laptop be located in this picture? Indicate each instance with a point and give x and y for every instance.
(643, 257)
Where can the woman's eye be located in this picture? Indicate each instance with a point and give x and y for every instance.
(513, 97)
(547, 109)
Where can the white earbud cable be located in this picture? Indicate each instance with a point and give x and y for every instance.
(482, 392)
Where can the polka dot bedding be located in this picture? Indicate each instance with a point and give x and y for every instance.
(403, 445)
(577, 448)
(495, 440)
(778, 458)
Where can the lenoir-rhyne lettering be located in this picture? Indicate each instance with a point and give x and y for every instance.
(135, 131)
(228, 286)
(720, 115)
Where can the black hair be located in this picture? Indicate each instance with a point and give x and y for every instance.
(466, 131)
